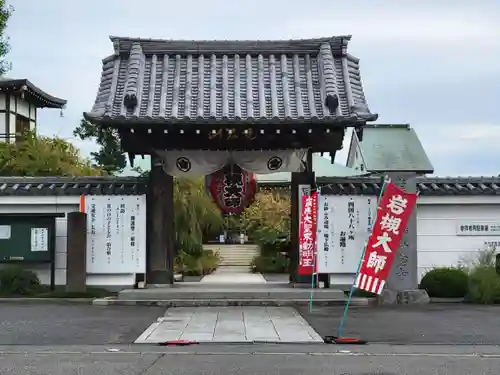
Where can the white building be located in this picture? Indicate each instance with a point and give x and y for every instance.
(19, 102)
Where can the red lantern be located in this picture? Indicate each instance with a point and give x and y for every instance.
(231, 188)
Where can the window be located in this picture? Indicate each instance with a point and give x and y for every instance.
(22, 127)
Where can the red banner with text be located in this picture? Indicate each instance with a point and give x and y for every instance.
(307, 234)
(393, 213)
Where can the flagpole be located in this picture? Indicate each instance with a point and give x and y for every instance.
(351, 290)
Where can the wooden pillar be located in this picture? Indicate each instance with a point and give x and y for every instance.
(160, 256)
(76, 257)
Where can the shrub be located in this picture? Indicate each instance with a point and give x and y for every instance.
(200, 264)
(482, 257)
(484, 285)
(16, 281)
(209, 261)
(271, 248)
(445, 283)
(276, 263)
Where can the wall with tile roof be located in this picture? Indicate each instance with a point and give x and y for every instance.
(62, 186)
(442, 203)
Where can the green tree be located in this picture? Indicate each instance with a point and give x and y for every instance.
(194, 214)
(5, 13)
(268, 218)
(110, 156)
(43, 156)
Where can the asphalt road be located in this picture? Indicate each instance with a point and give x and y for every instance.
(97, 325)
(80, 339)
(410, 324)
(245, 361)
(73, 324)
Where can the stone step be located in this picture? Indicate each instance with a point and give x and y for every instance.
(355, 301)
(236, 262)
(239, 292)
(237, 255)
(233, 268)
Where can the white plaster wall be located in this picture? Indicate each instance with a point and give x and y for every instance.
(59, 205)
(23, 108)
(357, 159)
(438, 243)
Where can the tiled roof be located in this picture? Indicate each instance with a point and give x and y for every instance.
(62, 186)
(165, 80)
(388, 147)
(437, 186)
(35, 94)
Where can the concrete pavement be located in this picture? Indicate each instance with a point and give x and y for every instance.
(231, 324)
(265, 359)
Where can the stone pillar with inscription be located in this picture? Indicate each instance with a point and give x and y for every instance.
(402, 283)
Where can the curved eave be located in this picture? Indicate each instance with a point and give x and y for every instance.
(42, 98)
(98, 119)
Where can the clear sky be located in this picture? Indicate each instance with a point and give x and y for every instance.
(433, 64)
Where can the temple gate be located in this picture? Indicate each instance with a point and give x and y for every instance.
(198, 106)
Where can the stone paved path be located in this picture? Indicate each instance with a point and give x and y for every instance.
(225, 275)
(231, 325)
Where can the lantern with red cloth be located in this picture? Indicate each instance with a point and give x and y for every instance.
(231, 188)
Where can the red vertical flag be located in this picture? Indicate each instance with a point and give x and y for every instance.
(307, 234)
(393, 213)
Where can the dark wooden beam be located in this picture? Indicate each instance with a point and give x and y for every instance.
(144, 142)
(160, 218)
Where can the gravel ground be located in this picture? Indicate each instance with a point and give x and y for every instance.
(410, 324)
(73, 324)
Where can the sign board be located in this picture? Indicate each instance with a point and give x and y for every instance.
(116, 234)
(394, 211)
(5, 232)
(307, 234)
(303, 190)
(344, 225)
(492, 244)
(39, 239)
(478, 228)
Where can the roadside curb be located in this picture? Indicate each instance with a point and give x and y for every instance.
(447, 300)
(228, 302)
(52, 301)
(108, 301)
